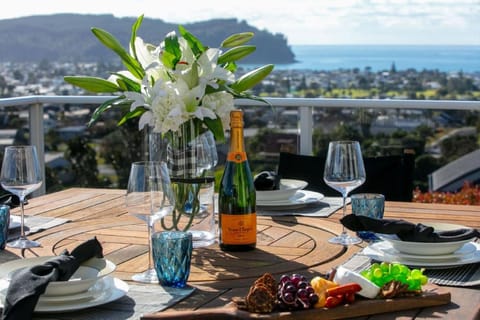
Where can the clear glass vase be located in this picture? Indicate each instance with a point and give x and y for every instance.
(191, 157)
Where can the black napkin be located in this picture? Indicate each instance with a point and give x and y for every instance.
(28, 284)
(267, 180)
(405, 230)
(10, 200)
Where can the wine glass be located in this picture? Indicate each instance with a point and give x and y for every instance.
(21, 175)
(344, 171)
(149, 197)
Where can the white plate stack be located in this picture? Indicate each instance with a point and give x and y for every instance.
(426, 254)
(91, 285)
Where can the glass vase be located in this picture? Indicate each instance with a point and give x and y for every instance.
(191, 157)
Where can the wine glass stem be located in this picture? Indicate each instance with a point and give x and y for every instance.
(344, 231)
(22, 219)
(149, 226)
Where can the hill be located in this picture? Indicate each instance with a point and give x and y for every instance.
(67, 37)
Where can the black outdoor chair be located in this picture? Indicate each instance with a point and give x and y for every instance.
(391, 176)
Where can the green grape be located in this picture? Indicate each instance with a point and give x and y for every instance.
(395, 269)
(377, 273)
(415, 273)
(383, 273)
(385, 266)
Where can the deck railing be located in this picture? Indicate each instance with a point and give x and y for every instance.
(305, 106)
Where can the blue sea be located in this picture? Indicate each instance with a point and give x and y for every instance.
(446, 58)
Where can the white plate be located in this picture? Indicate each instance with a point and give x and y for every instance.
(427, 248)
(115, 289)
(288, 187)
(109, 289)
(464, 251)
(85, 277)
(301, 199)
(376, 251)
(86, 295)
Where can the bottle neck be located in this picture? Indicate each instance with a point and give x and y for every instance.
(236, 140)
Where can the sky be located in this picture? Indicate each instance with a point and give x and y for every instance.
(301, 21)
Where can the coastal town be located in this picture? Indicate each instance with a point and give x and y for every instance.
(277, 127)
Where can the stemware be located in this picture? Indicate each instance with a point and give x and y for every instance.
(344, 171)
(149, 197)
(21, 175)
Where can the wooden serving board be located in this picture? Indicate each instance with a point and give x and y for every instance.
(432, 296)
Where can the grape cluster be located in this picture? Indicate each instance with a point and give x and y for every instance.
(295, 292)
(384, 272)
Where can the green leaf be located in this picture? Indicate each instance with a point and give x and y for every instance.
(102, 108)
(172, 53)
(112, 43)
(135, 27)
(127, 84)
(93, 84)
(237, 39)
(235, 54)
(195, 44)
(131, 114)
(250, 79)
(215, 125)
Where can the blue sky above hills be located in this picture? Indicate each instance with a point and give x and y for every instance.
(301, 21)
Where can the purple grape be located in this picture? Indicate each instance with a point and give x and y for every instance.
(302, 294)
(313, 297)
(296, 278)
(302, 284)
(284, 278)
(290, 288)
(310, 289)
(288, 298)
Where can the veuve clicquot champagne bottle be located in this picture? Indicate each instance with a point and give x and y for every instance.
(236, 200)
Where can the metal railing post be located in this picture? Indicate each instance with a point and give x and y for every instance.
(37, 138)
(306, 130)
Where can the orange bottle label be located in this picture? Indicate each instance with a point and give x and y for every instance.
(237, 157)
(239, 228)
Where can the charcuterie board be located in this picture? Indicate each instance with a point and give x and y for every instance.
(432, 295)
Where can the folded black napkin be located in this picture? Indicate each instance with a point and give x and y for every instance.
(28, 284)
(405, 230)
(266, 180)
(10, 200)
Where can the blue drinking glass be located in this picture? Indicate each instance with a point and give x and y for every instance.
(172, 254)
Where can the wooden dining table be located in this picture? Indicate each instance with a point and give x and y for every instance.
(285, 245)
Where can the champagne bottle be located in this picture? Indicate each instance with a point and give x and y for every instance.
(237, 214)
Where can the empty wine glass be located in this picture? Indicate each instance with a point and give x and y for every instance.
(344, 171)
(149, 197)
(21, 175)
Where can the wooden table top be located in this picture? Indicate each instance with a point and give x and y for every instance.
(285, 244)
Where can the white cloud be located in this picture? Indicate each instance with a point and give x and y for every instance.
(302, 21)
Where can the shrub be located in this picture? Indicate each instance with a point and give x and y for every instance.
(469, 194)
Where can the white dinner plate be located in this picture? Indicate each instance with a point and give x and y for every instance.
(300, 199)
(111, 290)
(85, 277)
(99, 286)
(428, 248)
(378, 251)
(288, 188)
(464, 251)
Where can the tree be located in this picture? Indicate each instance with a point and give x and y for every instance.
(83, 161)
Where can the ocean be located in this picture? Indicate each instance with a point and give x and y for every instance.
(446, 58)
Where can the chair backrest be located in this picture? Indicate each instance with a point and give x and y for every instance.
(391, 176)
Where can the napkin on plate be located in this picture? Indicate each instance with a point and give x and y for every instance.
(28, 284)
(405, 230)
(267, 180)
(10, 200)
